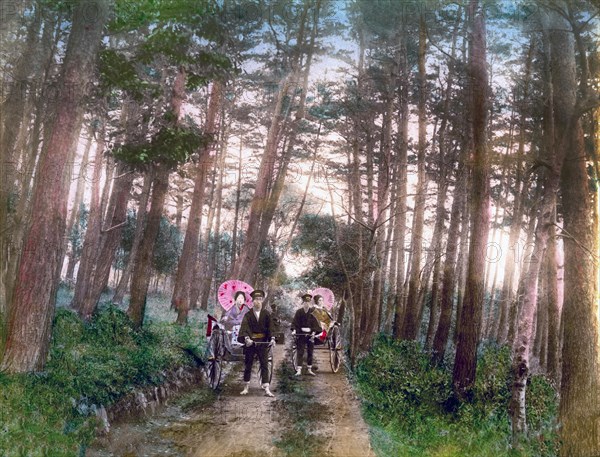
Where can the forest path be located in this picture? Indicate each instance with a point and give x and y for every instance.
(252, 425)
(345, 432)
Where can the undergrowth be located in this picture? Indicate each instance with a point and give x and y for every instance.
(89, 364)
(406, 402)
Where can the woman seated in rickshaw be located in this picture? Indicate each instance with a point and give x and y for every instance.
(232, 320)
(324, 318)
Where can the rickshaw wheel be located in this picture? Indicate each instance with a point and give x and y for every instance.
(214, 359)
(335, 349)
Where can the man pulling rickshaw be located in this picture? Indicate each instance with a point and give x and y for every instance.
(256, 333)
(326, 331)
(245, 330)
(304, 327)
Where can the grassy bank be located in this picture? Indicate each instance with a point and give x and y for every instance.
(406, 404)
(52, 413)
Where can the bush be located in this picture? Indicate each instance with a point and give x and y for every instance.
(404, 395)
(399, 379)
(51, 413)
(493, 381)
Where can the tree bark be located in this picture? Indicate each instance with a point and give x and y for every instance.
(218, 203)
(76, 210)
(506, 295)
(185, 268)
(236, 217)
(400, 221)
(12, 222)
(246, 266)
(410, 325)
(107, 239)
(142, 270)
(528, 307)
(463, 376)
(579, 410)
(140, 223)
(33, 300)
(553, 361)
(450, 262)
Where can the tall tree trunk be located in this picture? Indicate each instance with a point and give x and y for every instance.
(246, 263)
(108, 214)
(91, 243)
(552, 365)
(579, 410)
(33, 300)
(205, 275)
(213, 256)
(392, 254)
(462, 263)
(540, 343)
(12, 181)
(142, 270)
(434, 314)
(506, 295)
(384, 179)
(463, 376)
(450, 261)
(246, 266)
(185, 268)
(107, 239)
(298, 213)
(527, 252)
(432, 260)
(528, 307)
(400, 228)
(76, 210)
(410, 325)
(140, 223)
(238, 191)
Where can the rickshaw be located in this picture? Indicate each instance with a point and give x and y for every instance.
(331, 336)
(222, 335)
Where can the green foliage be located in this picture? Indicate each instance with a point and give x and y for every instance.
(404, 394)
(492, 385)
(267, 261)
(316, 238)
(50, 413)
(398, 378)
(542, 403)
(316, 234)
(172, 145)
(118, 72)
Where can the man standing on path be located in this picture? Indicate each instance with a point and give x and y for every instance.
(256, 333)
(304, 328)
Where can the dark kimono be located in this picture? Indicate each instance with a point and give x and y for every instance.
(260, 330)
(305, 320)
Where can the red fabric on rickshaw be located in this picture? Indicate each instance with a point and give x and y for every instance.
(211, 322)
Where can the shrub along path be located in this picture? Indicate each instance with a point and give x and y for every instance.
(309, 416)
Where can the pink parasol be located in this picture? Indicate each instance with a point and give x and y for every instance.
(227, 291)
(327, 295)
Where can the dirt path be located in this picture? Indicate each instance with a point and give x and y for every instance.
(245, 426)
(349, 435)
(226, 428)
